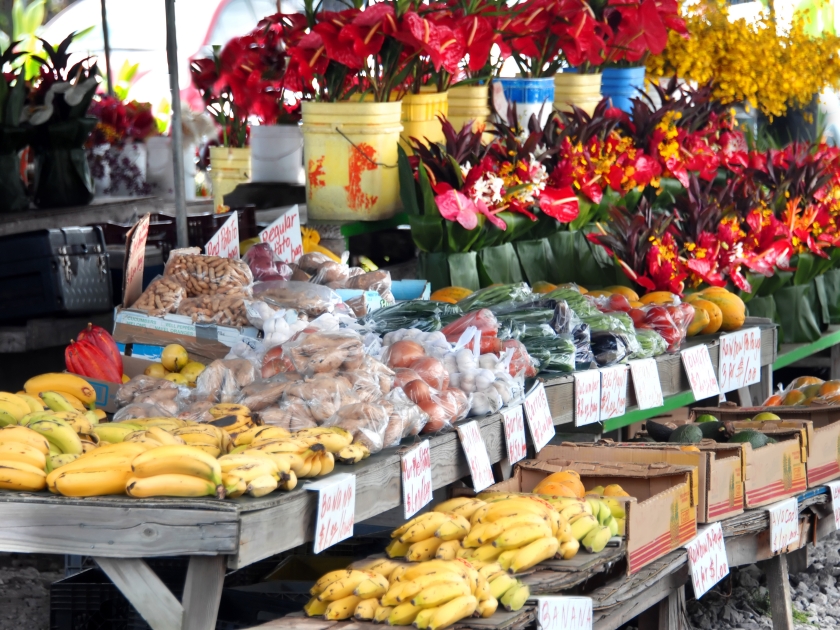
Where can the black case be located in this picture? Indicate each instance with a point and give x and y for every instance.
(53, 273)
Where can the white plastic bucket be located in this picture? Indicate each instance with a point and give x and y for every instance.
(160, 172)
(277, 154)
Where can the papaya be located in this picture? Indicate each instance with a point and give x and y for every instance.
(712, 311)
(700, 321)
(600, 293)
(561, 484)
(634, 304)
(543, 287)
(450, 295)
(803, 381)
(732, 309)
(716, 291)
(627, 292)
(659, 297)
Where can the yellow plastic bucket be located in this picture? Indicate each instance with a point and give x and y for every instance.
(229, 168)
(581, 90)
(468, 103)
(420, 116)
(350, 155)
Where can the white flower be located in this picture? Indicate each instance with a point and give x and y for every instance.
(74, 95)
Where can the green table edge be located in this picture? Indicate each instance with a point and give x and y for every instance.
(807, 350)
(670, 403)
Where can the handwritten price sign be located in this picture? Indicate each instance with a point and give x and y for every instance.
(336, 510)
(646, 383)
(701, 372)
(476, 453)
(514, 424)
(707, 559)
(834, 491)
(284, 236)
(416, 478)
(135, 261)
(587, 397)
(740, 359)
(784, 524)
(539, 417)
(613, 392)
(225, 242)
(564, 613)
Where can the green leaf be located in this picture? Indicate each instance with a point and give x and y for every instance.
(755, 281)
(518, 225)
(536, 260)
(500, 264)
(17, 19)
(427, 232)
(775, 282)
(456, 168)
(806, 270)
(464, 270)
(796, 306)
(434, 267)
(429, 206)
(564, 252)
(461, 239)
(34, 16)
(408, 190)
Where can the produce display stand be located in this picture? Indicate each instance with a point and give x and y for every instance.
(804, 354)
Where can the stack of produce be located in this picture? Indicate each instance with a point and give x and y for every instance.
(806, 391)
(707, 428)
(94, 354)
(176, 366)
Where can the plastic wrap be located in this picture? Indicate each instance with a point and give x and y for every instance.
(265, 265)
(223, 310)
(162, 296)
(262, 394)
(567, 322)
(379, 281)
(142, 386)
(366, 421)
(424, 315)
(611, 303)
(197, 412)
(608, 348)
(216, 383)
(405, 418)
(312, 261)
(553, 352)
(323, 396)
(140, 410)
(521, 362)
(484, 320)
(580, 304)
(381, 372)
(292, 415)
(208, 275)
(319, 352)
(485, 402)
(497, 295)
(331, 273)
(312, 299)
(445, 408)
(660, 319)
(652, 344)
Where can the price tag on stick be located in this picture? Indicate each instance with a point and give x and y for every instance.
(416, 478)
(135, 261)
(514, 424)
(646, 383)
(284, 236)
(225, 242)
(564, 613)
(740, 359)
(701, 373)
(336, 510)
(587, 397)
(613, 391)
(707, 559)
(539, 417)
(834, 493)
(784, 524)
(476, 453)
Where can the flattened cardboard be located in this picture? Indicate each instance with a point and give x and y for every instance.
(717, 486)
(660, 516)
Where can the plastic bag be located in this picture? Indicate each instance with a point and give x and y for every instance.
(312, 299)
(485, 402)
(579, 303)
(140, 410)
(332, 273)
(424, 315)
(216, 383)
(162, 296)
(611, 303)
(379, 281)
(567, 322)
(553, 352)
(661, 319)
(320, 352)
(223, 310)
(208, 275)
(265, 265)
(262, 394)
(405, 418)
(608, 348)
(198, 411)
(484, 320)
(498, 295)
(521, 362)
(366, 421)
(652, 344)
(142, 386)
(312, 261)
(281, 326)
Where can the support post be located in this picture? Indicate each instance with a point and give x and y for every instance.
(106, 41)
(781, 608)
(143, 588)
(203, 592)
(176, 129)
(835, 362)
(667, 614)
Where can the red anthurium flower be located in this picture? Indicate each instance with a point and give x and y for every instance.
(664, 266)
(560, 204)
(491, 216)
(368, 29)
(455, 206)
(338, 49)
(203, 73)
(477, 36)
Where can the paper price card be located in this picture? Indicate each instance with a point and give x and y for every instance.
(700, 371)
(784, 524)
(135, 261)
(225, 242)
(613, 391)
(646, 383)
(514, 433)
(834, 491)
(284, 236)
(477, 457)
(707, 559)
(416, 478)
(740, 359)
(564, 613)
(336, 510)
(539, 417)
(587, 397)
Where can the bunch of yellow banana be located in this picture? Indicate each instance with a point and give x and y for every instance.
(60, 401)
(429, 535)
(591, 520)
(13, 408)
(175, 471)
(352, 454)
(510, 592)
(102, 471)
(306, 454)
(23, 459)
(231, 417)
(212, 440)
(73, 389)
(256, 473)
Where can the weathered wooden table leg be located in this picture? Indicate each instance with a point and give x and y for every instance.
(781, 607)
(203, 592)
(667, 614)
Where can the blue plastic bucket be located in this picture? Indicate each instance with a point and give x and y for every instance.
(532, 96)
(619, 85)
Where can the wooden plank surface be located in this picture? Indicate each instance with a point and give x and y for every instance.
(203, 592)
(143, 588)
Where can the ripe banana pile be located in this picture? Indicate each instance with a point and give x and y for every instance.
(430, 595)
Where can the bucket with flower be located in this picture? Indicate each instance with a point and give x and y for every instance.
(13, 196)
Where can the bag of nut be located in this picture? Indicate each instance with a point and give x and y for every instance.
(208, 275)
(162, 296)
(224, 310)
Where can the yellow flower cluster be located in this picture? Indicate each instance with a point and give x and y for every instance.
(753, 63)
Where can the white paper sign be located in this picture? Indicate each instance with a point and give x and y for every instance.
(707, 559)
(700, 371)
(135, 261)
(514, 424)
(834, 492)
(564, 613)
(225, 242)
(784, 524)
(587, 397)
(646, 383)
(613, 391)
(336, 510)
(539, 417)
(284, 236)
(740, 359)
(416, 478)
(476, 453)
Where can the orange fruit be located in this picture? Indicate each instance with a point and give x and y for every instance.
(793, 397)
(804, 381)
(774, 401)
(830, 387)
(565, 483)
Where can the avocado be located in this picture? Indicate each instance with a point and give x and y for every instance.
(687, 434)
(706, 417)
(659, 431)
(755, 438)
(715, 430)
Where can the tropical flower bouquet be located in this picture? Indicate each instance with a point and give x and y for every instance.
(13, 87)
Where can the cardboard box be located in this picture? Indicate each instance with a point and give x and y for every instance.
(106, 392)
(717, 488)
(659, 516)
(821, 416)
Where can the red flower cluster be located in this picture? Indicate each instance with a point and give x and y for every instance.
(120, 122)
